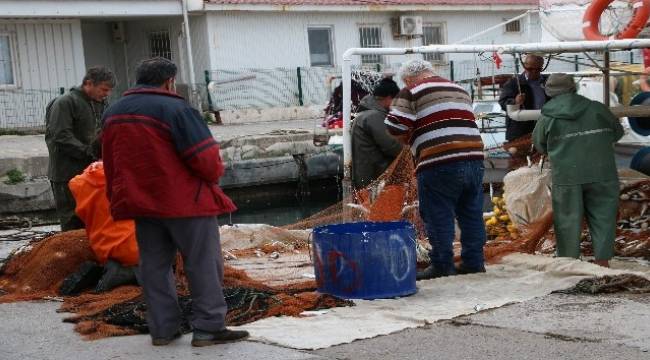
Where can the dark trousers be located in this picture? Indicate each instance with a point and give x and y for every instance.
(65, 206)
(447, 192)
(197, 239)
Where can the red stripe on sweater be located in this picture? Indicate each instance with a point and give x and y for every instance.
(445, 115)
(143, 118)
(198, 145)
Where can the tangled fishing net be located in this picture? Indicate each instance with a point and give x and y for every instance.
(393, 196)
(122, 311)
(275, 259)
(610, 284)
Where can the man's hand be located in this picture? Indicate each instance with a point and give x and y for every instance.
(520, 98)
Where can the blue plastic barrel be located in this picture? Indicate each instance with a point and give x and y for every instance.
(365, 260)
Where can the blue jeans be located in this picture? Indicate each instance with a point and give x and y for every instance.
(447, 192)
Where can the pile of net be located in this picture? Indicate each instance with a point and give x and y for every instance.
(37, 271)
(610, 284)
(393, 196)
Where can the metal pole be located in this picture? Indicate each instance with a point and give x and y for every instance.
(347, 130)
(206, 74)
(576, 63)
(300, 101)
(606, 78)
(190, 58)
(126, 63)
(529, 27)
(451, 70)
(516, 60)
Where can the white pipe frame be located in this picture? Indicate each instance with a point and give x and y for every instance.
(550, 47)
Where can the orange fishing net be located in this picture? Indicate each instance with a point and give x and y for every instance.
(37, 273)
(393, 196)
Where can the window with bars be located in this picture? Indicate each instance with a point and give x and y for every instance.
(370, 37)
(320, 46)
(513, 26)
(7, 77)
(432, 35)
(160, 44)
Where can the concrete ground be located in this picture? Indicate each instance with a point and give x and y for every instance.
(552, 327)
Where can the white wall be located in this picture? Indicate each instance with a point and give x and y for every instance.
(137, 41)
(49, 52)
(279, 39)
(100, 50)
(49, 55)
(200, 46)
(96, 41)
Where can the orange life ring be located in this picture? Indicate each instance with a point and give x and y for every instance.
(592, 16)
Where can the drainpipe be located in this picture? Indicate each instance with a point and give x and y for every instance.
(619, 111)
(194, 100)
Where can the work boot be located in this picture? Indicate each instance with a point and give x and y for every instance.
(431, 273)
(162, 341)
(206, 338)
(115, 275)
(86, 276)
(462, 270)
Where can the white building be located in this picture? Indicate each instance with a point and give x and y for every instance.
(47, 45)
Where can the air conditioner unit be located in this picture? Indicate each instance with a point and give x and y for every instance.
(410, 25)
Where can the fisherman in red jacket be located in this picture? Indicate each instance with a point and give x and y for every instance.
(162, 166)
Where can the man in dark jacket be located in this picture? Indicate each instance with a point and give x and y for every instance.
(71, 127)
(527, 91)
(373, 148)
(579, 135)
(162, 166)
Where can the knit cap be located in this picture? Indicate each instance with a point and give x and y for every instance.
(558, 84)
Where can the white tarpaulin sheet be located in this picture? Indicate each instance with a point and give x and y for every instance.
(518, 278)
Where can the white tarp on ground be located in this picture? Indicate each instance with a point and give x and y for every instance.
(518, 278)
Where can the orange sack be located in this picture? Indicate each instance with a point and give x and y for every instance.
(109, 239)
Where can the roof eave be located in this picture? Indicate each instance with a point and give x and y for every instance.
(88, 9)
(366, 8)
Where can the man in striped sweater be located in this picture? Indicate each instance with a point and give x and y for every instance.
(434, 117)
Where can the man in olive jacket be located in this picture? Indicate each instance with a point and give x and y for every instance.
(373, 148)
(579, 136)
(72, 122)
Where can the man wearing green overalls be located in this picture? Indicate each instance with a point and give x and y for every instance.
(579, 135)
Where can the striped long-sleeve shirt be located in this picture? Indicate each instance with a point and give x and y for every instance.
(437, 118)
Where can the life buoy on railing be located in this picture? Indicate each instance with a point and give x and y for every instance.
(591, 20)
